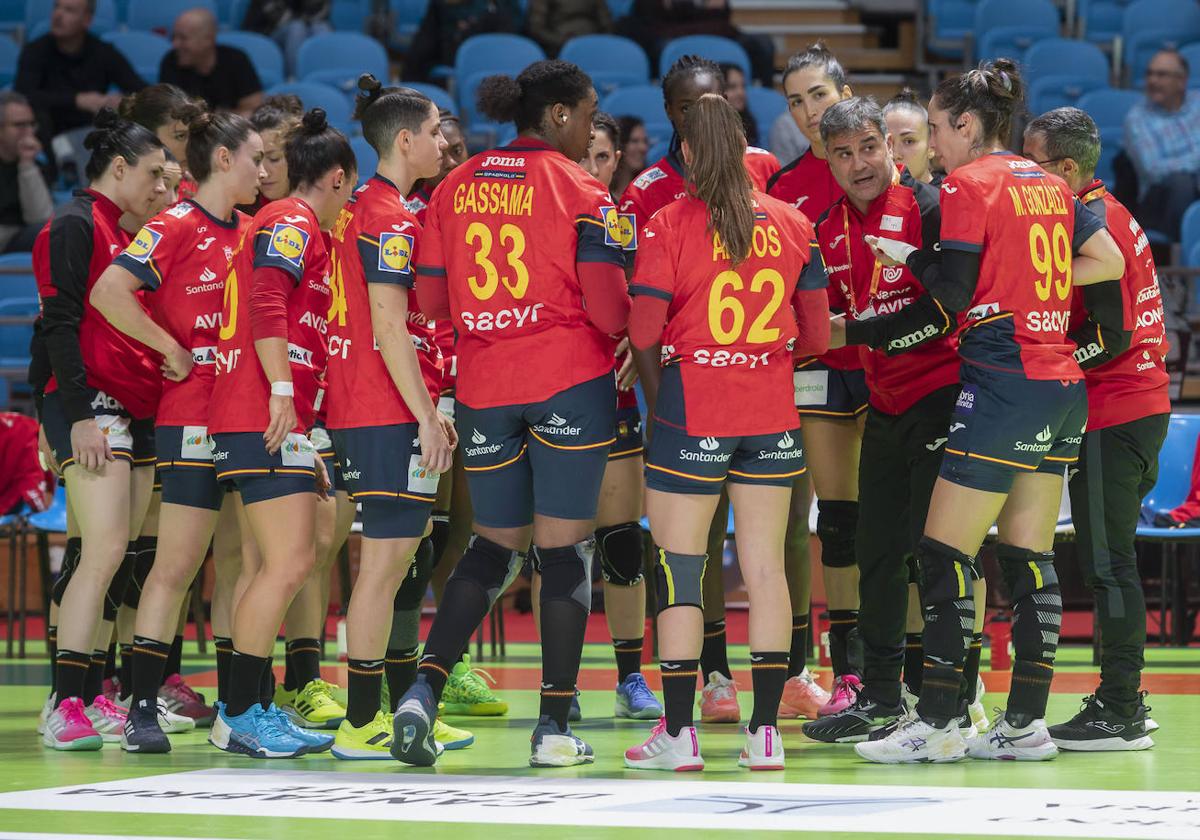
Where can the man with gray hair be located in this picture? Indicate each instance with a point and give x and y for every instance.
(221, 75)
(1121, 347)
(25, 202)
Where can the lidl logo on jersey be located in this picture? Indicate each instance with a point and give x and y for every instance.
(395, 253)
(288, 242)
(143, 244)
(618, 229)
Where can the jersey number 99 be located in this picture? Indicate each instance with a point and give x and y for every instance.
(1050, 254)
(479, 237)
(229, 307)
(723, 307)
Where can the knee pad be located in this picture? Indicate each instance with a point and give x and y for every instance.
(492, 566)
(620, 549)
(69, 565)
(1036, 602)
(678, 579)
(147, 548)
(836, 524)
(439, 536)
(120, 581)
(567, 572)
(1025, 571)
(412, 590)
(946, 574)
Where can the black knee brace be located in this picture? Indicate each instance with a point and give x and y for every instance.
(439, 535)
(836, 523)
(949, 611)
(679, 579)
(566, 572)
(69, 564)
(412, 591)
(620, 550)
(147, 547)
(1036, 601)
(120, 581)
(490, 565)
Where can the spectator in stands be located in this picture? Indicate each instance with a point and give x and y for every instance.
(554, 22)
(447, 23)
(633, 154)
(25, 202)
(1162, 137)
(67, 73)
(735, 94)
(25, 485)
(786, 141)
(220, 75)
(289, 22)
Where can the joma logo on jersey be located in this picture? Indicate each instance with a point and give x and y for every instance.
(143, 244)
(288, 242)
(395, 253)
(504, 161)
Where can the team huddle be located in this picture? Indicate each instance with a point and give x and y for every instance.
(452, 350)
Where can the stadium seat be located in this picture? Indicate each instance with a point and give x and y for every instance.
(1099, 21)
(1061, 70)
(440, 96)
(1193, 257)
(368, 160)
(1108, 106)
(1189, 236)
(481, 56)
(1142, 46)
(15, 338)
(611, 61)
(765, 106)
(620, 8)
(316, 95)
(349, 15)
(37, 12)
(12, 15)
(1191, 53)
(264, 54)
(231, 13)
(407, 16)
(713, 47)
(950, 23)
(159, 15)
(17, 285)
(997, 35)
(339, 58)
(9, 53)
(144, 50)
(646, 102)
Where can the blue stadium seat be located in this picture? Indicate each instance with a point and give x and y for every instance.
(1108, 106)
(765, 106)
(611, 61)
(1190, 228)
(950, 22)
(1191, 52)
(1174, 474)
(316, 95)
(368, 160)
(620, 8)
(159, 15)
(264, 54)
(231, 13)
(1193, 257)
(646, 102)
(1061, 70)
(1142, 45)
(481, 56)
(440, 96)
(38, 12)
(1100, 20)
(407, 16)
(15, 338)
(349, 15)
(12, 15)
(713, 47)
(997, 35)
(339, 58)
(22, 285)
(9, 53)
(144, 51)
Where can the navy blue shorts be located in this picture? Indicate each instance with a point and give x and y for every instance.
(323, 443)
(628, 433)
(241, 459)
(130, 440)
(1004, 424)
(185, 467)
(681, 463)
(547, 457)
(379, 467)
(822, 391)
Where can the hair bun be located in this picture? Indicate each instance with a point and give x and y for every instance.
(201, 123)
(315, 121)
(106, 118)
(368, 84)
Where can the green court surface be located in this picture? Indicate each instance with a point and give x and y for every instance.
(488, 792)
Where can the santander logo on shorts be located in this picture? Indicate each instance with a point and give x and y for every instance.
(707, 456)
(481, 447)
(557, 425)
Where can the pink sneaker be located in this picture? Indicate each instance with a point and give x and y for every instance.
(718, 700)
(180, 699)
(68, 728)
(662, 752)
(802, 697)
(107, 718)
(112, 690)
(845, 692)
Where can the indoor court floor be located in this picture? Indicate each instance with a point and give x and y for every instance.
(487, 791)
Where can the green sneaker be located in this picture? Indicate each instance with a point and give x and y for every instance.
(366, 743)
(467, 693)
(315, 707)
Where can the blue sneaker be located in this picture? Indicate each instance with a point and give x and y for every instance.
(314, 742)
(412, 726)
(635, 700)
(576, 713)
(256, 733)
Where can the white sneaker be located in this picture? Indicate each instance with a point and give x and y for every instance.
(47, 710)
(1005, 742)
(907, 698)
(171, 723)
(662, 752)
(915, 741)
(107, 719)
(976, 709)
(763, 750)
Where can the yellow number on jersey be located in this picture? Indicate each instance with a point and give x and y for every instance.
(479, 237)
(1050, 254)
(719, 305)
(337, 289)
(229, 307)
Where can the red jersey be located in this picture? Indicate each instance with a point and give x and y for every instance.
(69, 255)
(374, 241)
(663, 183)
(1024, 224)
(182, 258)
(505, 232)
(862, 288)
(23, 480)
(730, 330)
(284, 235)
(443, 330)
(1134, 384)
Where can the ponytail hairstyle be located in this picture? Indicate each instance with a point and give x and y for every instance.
(818, 55)
(689, 67)
(209, 132)
(906, 100)
(716, 173)
(608, 124)
(994, 92)
(316, 147)
(114, 137)
(524, 100)
(385, 112)
(157, 105)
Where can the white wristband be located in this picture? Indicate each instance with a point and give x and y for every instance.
(282, 389)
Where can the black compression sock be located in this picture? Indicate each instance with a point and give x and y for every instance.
(149, 664)
(768, 671)
(245, 682)
(714, 655)
(224, 648)
(841, 623)
(72, 668)
(364, 683)
(914, 662)
(679, 692)
(801, 642)
(305, 655)
(628, 653)
(175, 657)
(400, 669)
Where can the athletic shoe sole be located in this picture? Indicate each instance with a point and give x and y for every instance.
(410, 737)
(650, 765)
(353, 754)
(89, 743)
(460, 744)
(146, 749)
(476, 710)
(745, 762)
(1145, 742)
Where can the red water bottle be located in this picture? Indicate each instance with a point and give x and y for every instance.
(1000, 632)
